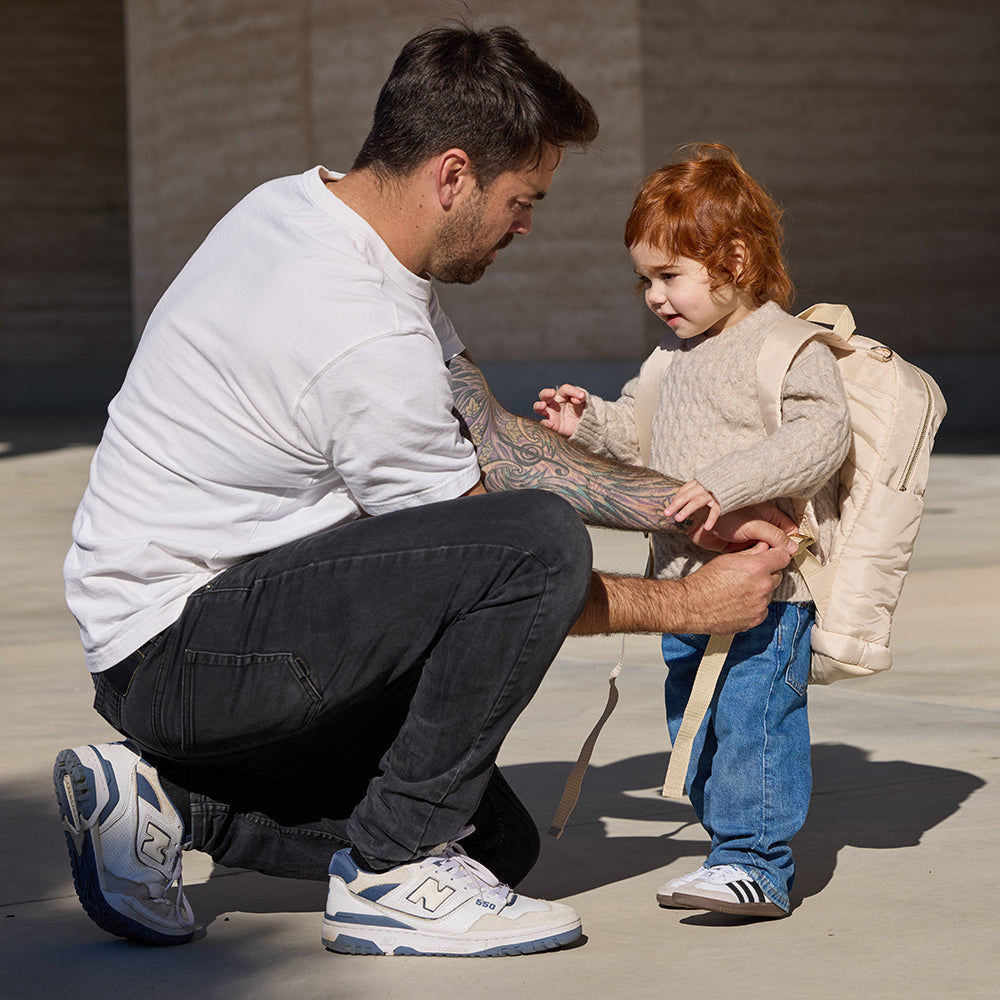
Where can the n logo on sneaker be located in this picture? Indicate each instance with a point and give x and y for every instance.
(430, 895)
(156, 844)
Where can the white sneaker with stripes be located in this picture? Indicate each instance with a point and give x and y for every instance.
(726, 889)
(665, 894)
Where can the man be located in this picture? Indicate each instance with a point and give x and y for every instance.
(296, 604)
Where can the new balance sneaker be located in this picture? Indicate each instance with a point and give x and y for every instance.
(444, 904)
(125, 841)
(665, 894)
(726, 889)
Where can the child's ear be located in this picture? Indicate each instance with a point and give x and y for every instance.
(737, 260)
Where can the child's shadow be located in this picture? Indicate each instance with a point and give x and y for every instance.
(856, 802)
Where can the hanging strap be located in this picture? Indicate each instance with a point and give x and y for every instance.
(702, 693)
(575, 780)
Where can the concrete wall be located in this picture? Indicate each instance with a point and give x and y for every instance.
(65, 324)
(873, 121)
(228, 93)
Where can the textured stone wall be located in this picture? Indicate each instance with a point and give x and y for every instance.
(64, 255)
(228, 93)
(875, 123)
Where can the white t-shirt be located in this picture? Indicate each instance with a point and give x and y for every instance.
(292, 377)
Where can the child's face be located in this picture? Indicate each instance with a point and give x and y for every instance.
(678, 292)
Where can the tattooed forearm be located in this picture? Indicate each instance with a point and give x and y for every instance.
(517, 453)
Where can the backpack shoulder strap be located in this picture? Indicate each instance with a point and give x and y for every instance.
(833, 324)
(775, 358)
(647, 393)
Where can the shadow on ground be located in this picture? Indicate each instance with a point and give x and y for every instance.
(857, 802)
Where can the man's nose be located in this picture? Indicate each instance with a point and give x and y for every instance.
(521, 224)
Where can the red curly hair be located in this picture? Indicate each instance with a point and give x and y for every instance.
(703, 208)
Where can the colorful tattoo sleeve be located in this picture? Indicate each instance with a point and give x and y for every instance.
(517, 453)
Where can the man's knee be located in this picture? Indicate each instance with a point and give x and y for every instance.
(552, 530)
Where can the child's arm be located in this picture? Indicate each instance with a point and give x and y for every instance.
(807, 449)
(560, 409)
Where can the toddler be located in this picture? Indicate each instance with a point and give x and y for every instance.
(705, 240)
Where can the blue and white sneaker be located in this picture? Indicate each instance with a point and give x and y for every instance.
(444, 904)
(726, 889)
(125, 840)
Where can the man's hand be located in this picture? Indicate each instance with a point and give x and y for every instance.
(740, 529)
(729, 594)
(732, 592)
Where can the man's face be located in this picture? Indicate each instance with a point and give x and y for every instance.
(485, 221)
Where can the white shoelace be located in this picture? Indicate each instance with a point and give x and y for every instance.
(452, 859)
(182, 908)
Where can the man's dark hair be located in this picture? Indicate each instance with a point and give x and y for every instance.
(483, 91)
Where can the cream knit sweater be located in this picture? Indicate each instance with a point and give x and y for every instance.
(708, 427)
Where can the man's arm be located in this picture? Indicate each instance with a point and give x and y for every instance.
(518, 453)
(727, 595)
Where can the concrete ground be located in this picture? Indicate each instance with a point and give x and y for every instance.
(897, 888)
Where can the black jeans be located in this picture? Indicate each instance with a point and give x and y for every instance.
(355, 686)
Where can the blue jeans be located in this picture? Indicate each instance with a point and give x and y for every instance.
(750, 775)
(354, 686)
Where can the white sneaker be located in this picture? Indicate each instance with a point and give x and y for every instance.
(727, 889)
(444, 904)
(665, 894)
(125, 842)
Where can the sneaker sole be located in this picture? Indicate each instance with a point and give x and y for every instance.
(669, 902)
(77, 797)
(721, 906)
(358, 939)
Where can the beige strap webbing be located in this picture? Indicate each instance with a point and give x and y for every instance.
(702, 693)
(647, 393)
(575, 780)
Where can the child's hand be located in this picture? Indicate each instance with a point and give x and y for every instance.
(692, 497)
(561, 409)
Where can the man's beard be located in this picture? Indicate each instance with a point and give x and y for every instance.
(456, 243)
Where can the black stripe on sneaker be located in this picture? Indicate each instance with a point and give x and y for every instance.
(738, 889)
(746, 890)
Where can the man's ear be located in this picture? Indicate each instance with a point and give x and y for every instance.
(453, 175)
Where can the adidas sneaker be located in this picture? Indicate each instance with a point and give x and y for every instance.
(665, 894)
(726, 889)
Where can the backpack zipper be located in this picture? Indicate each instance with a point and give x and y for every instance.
(884, 354)
(908, 469)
